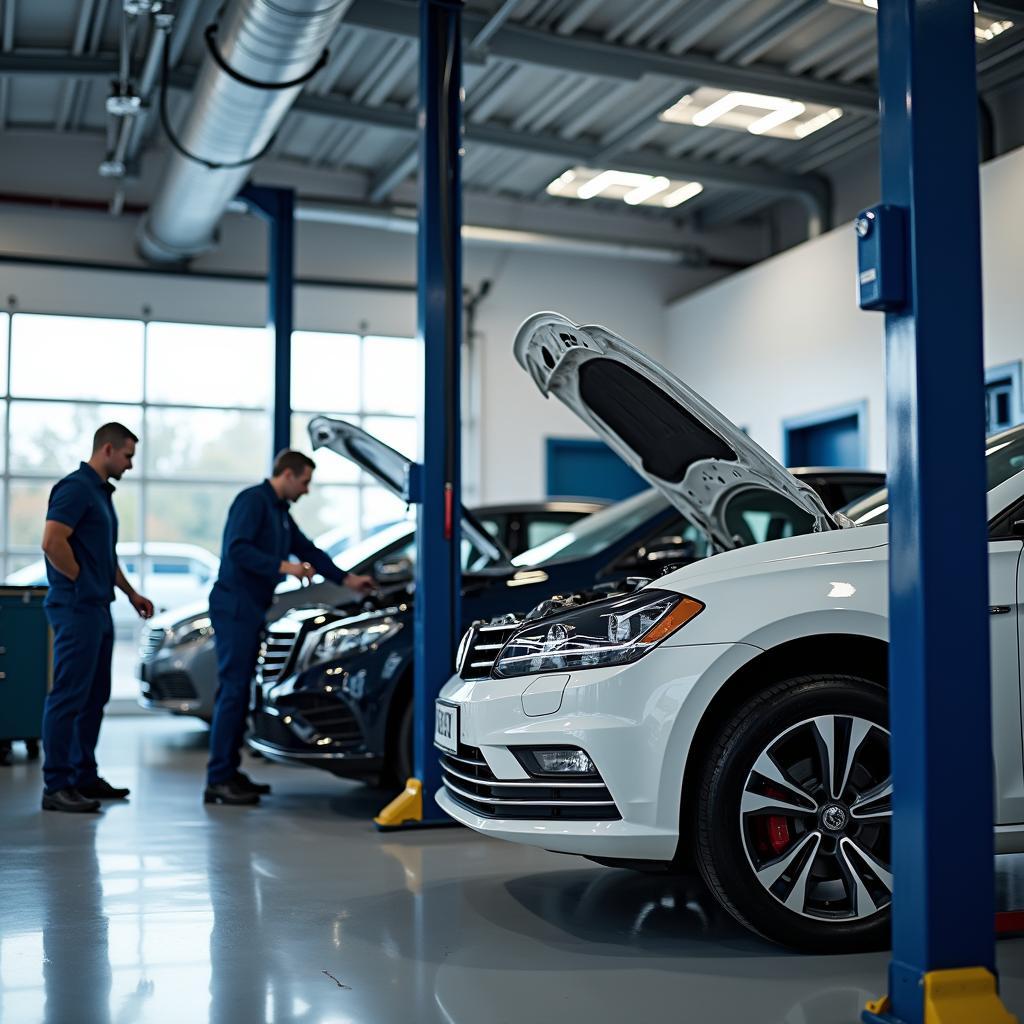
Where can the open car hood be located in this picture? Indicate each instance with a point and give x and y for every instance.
(389, 468)
(680, 443)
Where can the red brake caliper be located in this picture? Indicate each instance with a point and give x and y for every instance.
(778, 833)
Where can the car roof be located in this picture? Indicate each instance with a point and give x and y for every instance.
(837, 471)
(581, 505)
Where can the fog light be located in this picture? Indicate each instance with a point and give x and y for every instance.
(573, 762)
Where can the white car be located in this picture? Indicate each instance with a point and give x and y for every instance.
(732, 713)
(175, 574)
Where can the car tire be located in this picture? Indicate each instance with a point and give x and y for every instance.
(399, 765)
(815, 874)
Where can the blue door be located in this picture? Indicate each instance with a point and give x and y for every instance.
(588, 469)
(831, 441)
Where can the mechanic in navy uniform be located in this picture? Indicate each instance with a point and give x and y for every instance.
(259, 536)
(80, 541)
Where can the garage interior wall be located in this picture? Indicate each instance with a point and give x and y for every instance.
(629, 296)
(785, 339)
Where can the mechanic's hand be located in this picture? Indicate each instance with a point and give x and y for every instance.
(303, 570)
(361, 584)
(142, 605)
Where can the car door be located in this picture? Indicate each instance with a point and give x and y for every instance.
(1006, 578)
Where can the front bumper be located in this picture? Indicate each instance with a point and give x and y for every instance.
(316, 730)
(635, 722)
(181, 680)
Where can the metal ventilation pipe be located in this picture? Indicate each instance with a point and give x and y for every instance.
(266, 50)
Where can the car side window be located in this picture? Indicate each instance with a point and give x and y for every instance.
(540, 530)
(755, 515)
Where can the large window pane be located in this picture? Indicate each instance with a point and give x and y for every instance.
(381, 506)
(127, 505)
(4, 322)
(54, 437)
(199, 364)
(27, 506)
(190, 513)
(325, 371)
(392, 375)
(76, 357)
(207, 443)
(327, 508)
(399, 432)
(330, 466)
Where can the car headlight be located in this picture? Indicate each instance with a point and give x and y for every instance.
(337, 641)
(189, 630)
(612, 632)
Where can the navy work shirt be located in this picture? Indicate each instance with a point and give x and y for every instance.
(83, 502)
(259, 535)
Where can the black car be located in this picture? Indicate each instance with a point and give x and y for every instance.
(335, 691)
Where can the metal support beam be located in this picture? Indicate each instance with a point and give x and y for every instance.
(276, 206)
(526, 45)
(438, 607)
(936, 433)
(335, 108)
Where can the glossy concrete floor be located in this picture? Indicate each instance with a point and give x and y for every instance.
(299, 911)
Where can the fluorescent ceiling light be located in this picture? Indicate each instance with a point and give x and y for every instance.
(830, 115)
(758, 114)
(985, 28)
(645, 191)
(610, 179)
(632, 188)
(680, 195)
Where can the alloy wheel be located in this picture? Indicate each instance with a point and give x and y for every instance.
(816, 817)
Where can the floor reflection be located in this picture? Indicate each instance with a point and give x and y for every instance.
(299, 912)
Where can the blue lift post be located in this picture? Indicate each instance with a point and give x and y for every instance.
(435, 485)
(276, 206)
(920, 262)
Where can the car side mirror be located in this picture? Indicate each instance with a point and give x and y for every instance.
(394, 573)
(667, 549)
(1017, 527)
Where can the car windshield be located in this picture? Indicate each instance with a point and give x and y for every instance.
(594, 533)
(1004, 457)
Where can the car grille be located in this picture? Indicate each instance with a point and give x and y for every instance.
(470, 782)
(274, 653)
(480, 648)
(326, 716)
(150, 643)
(169, 686)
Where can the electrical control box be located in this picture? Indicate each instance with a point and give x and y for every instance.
(881, 258)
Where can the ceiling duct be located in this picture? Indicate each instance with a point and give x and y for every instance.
(258, 57)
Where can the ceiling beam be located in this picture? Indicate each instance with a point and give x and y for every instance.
(589, 56)
(542, 143)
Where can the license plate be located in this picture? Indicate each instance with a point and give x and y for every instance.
(446, 727)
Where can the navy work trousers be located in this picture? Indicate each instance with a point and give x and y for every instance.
(237, 633)
(83, 642)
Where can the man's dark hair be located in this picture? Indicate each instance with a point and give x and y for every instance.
(295, 461)
(114, 433)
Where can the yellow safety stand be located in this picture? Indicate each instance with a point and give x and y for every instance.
(405, 810)
(964, 995)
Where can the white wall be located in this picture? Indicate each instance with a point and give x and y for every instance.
(786, 337)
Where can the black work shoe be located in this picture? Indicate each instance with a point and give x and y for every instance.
(230, 792)
(70, 801)
(102, 790)
(245, 782)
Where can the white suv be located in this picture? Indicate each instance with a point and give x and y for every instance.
(732, 713)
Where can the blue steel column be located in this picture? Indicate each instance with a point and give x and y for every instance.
(943, 908)
(438, 619)
(277, 207)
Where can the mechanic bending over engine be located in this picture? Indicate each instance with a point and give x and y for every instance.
(259, 537)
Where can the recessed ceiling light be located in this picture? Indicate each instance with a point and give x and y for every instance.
(776, 116)
(629, 186)
(985, 28)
